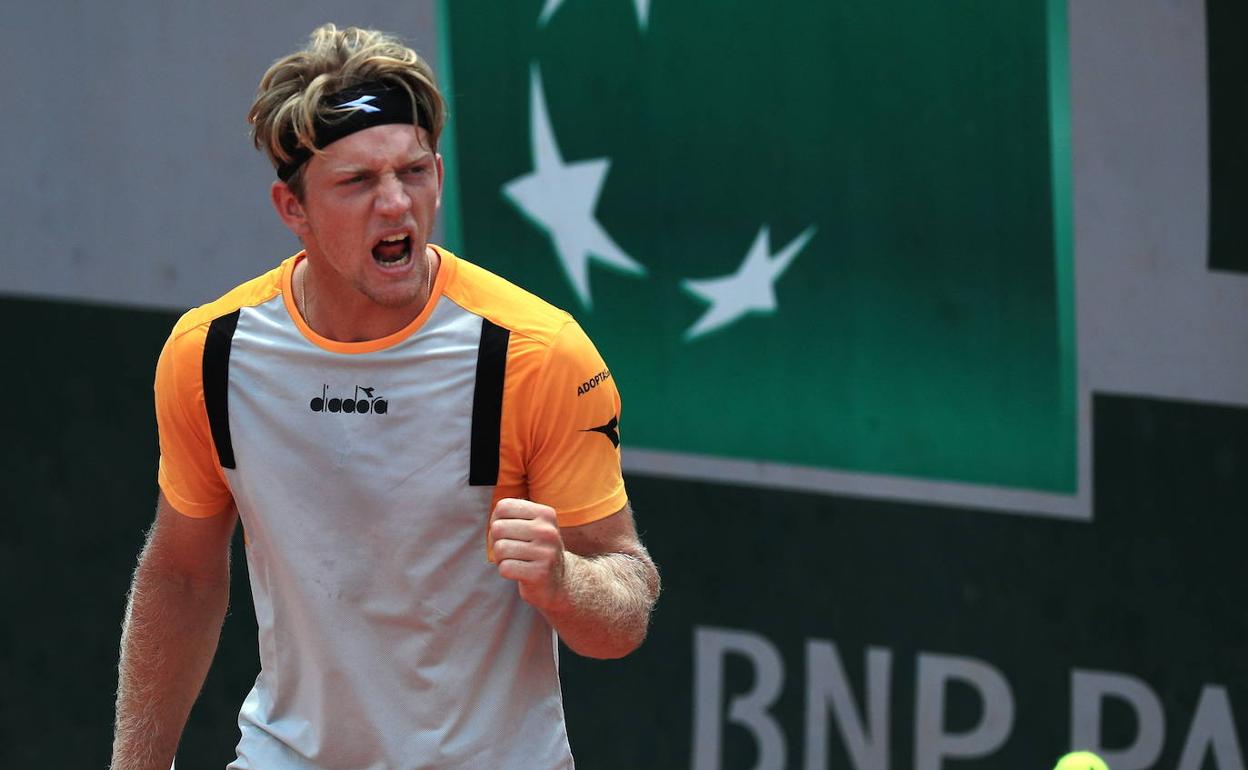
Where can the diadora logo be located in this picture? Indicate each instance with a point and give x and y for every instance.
(354, 405)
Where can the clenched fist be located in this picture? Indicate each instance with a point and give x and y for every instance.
(529, 550)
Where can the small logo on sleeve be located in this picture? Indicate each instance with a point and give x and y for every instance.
(610, 430)
(593, 382)
(362, 402)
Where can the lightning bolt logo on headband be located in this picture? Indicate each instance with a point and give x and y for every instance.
(361, 103)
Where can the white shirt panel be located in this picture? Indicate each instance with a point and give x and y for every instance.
(386, 638)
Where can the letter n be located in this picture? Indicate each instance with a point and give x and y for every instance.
(826, 681)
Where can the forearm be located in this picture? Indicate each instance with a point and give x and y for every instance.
(604, 609)
(168, 640)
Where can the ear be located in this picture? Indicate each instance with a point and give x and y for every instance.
(288, 208)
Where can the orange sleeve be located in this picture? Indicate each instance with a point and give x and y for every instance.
(190, 475)
(574, 440)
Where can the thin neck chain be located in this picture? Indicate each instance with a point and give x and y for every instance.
(303, 294)
(428, 276)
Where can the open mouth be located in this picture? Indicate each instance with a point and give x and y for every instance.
(393, 250)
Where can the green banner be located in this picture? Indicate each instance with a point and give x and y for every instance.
(822, 235)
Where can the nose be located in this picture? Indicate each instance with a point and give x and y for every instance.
(392, 198)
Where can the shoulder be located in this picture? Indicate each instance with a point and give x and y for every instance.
(191, 330)
(548, 351)
(180, 361)
(505, 304)
(257, 291)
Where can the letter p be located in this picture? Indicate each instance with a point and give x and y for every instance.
(931, 743)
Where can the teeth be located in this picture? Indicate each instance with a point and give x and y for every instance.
(394, 238)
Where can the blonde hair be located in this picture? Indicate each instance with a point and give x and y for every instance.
(291, 95)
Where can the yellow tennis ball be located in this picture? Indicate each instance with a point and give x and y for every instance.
(1081, 760)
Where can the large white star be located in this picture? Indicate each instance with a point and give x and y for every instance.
(561, 198)
(751, 288)
(641, 6)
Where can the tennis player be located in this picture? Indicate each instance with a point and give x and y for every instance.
(424, 458)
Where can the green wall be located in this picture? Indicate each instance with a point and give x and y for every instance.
(924, 326)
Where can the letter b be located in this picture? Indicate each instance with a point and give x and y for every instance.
(749, 710)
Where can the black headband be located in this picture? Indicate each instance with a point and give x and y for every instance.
(354, 109)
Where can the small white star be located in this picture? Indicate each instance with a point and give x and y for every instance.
(641, 6)
(751, 288)
(643, 12)
(561, 198)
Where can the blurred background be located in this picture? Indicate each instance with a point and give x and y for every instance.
(930, 321)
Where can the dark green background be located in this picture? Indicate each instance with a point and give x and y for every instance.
(1153, 587)
(1227, 28)
(919, 332)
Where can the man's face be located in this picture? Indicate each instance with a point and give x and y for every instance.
(367, 212)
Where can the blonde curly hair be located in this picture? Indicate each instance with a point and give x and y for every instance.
(291, 97)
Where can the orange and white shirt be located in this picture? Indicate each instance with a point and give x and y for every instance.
(364, 475)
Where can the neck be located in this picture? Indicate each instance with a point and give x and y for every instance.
(344, 314)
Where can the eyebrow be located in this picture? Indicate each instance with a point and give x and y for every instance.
(352, 170)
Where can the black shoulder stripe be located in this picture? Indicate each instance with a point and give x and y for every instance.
(217, 384)
(487, 405)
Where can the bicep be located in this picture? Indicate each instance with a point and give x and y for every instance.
(572, 459)
(196, 549)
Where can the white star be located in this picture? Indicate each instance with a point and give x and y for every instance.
(561, 197)
(643, 12)
(751, 288)
(641, 6)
